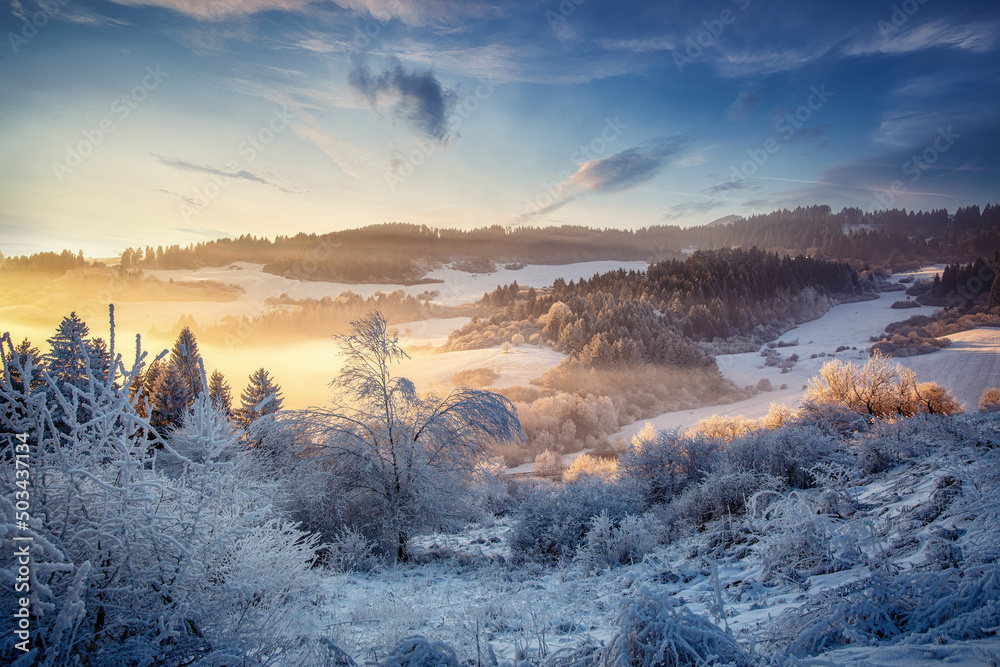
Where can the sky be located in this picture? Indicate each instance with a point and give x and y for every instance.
(154, 122)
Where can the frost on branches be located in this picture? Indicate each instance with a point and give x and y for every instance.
(146, 549)
(399, 461)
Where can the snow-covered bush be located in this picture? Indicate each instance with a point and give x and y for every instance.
(655, 630)
(552, 522)
(351, 551)
(788, 453)
(663, 463)
(416, 651)
(548, 464)
(145, 550)
(609, 543)
(585, 464)
(989, 401)
(796, 541)
(723, 493)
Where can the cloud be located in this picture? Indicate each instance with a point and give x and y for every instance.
(976, 37)
(416, 98)
(646, 45)
(184, 165)
(215, 10)
(691, 208)
(744, 104)
(629, 168)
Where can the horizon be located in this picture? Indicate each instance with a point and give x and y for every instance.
(211, 120)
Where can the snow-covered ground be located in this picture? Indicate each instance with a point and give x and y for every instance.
(848, 325)
(891, 530)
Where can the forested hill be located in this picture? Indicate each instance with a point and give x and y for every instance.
(403, 253)
(657, 316)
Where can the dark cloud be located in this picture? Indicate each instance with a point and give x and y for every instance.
(190, 166)
(729, 186)
(744, 104)
(417, 98)
(629, 168)
(811, 135)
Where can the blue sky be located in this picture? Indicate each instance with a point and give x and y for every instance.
(140, 122)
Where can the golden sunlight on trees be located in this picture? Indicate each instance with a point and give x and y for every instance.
(878, 389)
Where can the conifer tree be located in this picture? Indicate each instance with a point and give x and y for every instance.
(187, 359)
(170, 399)
(262, 396)
(220, 394)
(67, 359)
(995, 292)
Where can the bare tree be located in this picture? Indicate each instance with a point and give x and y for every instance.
(402, 460)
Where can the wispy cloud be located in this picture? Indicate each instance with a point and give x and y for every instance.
(939, 33)
(629, 168)
(184, 165)
(744, 104)
(214, 10)
(416, 98)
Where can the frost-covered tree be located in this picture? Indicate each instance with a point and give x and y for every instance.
(68, 353)
(220, 394)
(141, 556)
(402, 460)
(989, 401)
(878, 390)
(261, 397)
(187, 359)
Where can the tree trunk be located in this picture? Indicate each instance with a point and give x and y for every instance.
(402, 555)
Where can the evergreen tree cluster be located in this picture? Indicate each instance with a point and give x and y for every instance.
(657, 316)
(163, 393)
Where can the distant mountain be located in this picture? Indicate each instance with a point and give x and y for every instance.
(724, 222)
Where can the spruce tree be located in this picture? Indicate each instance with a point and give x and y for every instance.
(186, 358)
(67, 359)
(262, 396)
(170, 399)
(26, 353)
(220, 394)
(995, 292)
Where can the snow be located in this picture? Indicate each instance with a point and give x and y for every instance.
(460, 590)
(850, 325)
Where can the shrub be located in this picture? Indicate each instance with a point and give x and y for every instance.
(655, 630)
(351, 551)
(551, 523)
(663, 463)
(416, 651)
(764, 384)
(548, 464)
(878, 390)
(990, 400)
(609, 544)
(585, 464)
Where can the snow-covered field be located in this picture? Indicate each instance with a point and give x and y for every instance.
(970, 365)
(886, 533)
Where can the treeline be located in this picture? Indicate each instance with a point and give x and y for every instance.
(880, 237)
(302, 319)
(162, 393)
(660, 315)
(45, 262)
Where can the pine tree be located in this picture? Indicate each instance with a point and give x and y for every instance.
(220, 394)
(186, 358)
(26, 353)
(262, 396)
(67, 359)
(170, 399)
(995, 292)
